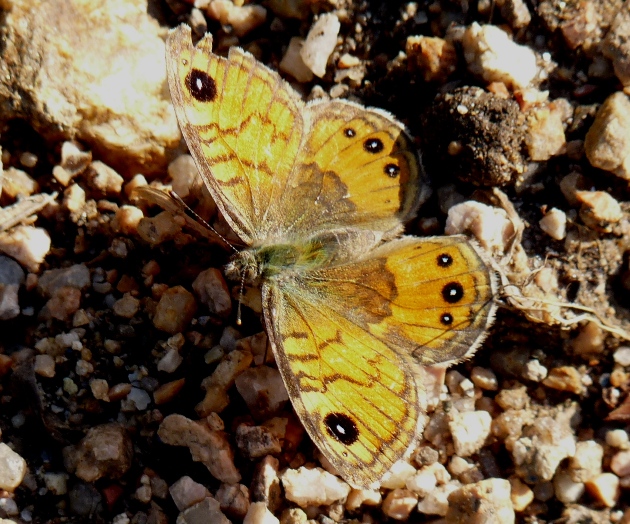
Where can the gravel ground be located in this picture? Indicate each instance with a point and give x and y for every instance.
(128, 393)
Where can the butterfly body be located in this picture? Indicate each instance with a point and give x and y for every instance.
(319, 193)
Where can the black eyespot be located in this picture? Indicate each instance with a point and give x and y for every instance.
(349, 132)
(342, 428)
(201, 86)
(444, 260)
(452, 292)
(446, 319)
(373, 145)
(392, 170)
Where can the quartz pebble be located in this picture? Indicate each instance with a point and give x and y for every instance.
(105, 451)
(398, 474)
(544, 444)
(292, 62)
(212, 290)
(185, 492)
(484, 502)
(554, 223)
(360, 497)
(545, 133)
(586, 463)
(207, 510)
(469, 431)
(399, 503)
(521, 494)
(604, 488)
(265, 486)
(618, 438)
(263, 390)
(622, 356)
(320, 43)
(436, 502)
(223, 377)
(313, 487)
(484, 378)
(258, 513)
(209, 447)
(490, 226)
(566, 489)
(256, 441)
(241, 18)
(12, 468)
(599, 209)
(11, 278)
(607, 143)
(28, 245)
(104, 179)
(175, 310)
(233, 499)
(620, 463)
(491, 54)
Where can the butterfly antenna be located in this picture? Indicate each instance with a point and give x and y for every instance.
(239, 320)
(200, 220)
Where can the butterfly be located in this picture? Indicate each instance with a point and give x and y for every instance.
(318, 192)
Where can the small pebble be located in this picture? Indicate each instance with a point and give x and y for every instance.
(105, 451)
(184, 174)
(599, 210)
(399, 503)
(604, 488)
(607, 143)
(313, 487)
(566, 489)
(545, 133)
(620, 463)
(175, 310)
(209, 447)
(398, 475)
(11, 278)
(185, 492)
(491, 54)
(554, 223)
(469, 431)
(484, 378)
(127, 306)
(360, 497)
(618, 438)
(258, 513)
(489, 225)
(233, 499)
(257, 441)
(241, 18)
(320, 43)
(480, 503)
(586, 463)
(28, 245)
(12, 468)
(56, 483)
(263, 390)
(521, 494)
(212, 290)
(104, 179)
(292, 62)
(436, 502)
(564, 378)
(206, 511)
(535, 371)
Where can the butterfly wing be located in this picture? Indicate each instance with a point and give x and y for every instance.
(349, 341)
(261, 150)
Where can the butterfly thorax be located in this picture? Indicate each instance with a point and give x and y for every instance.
(269, 261)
